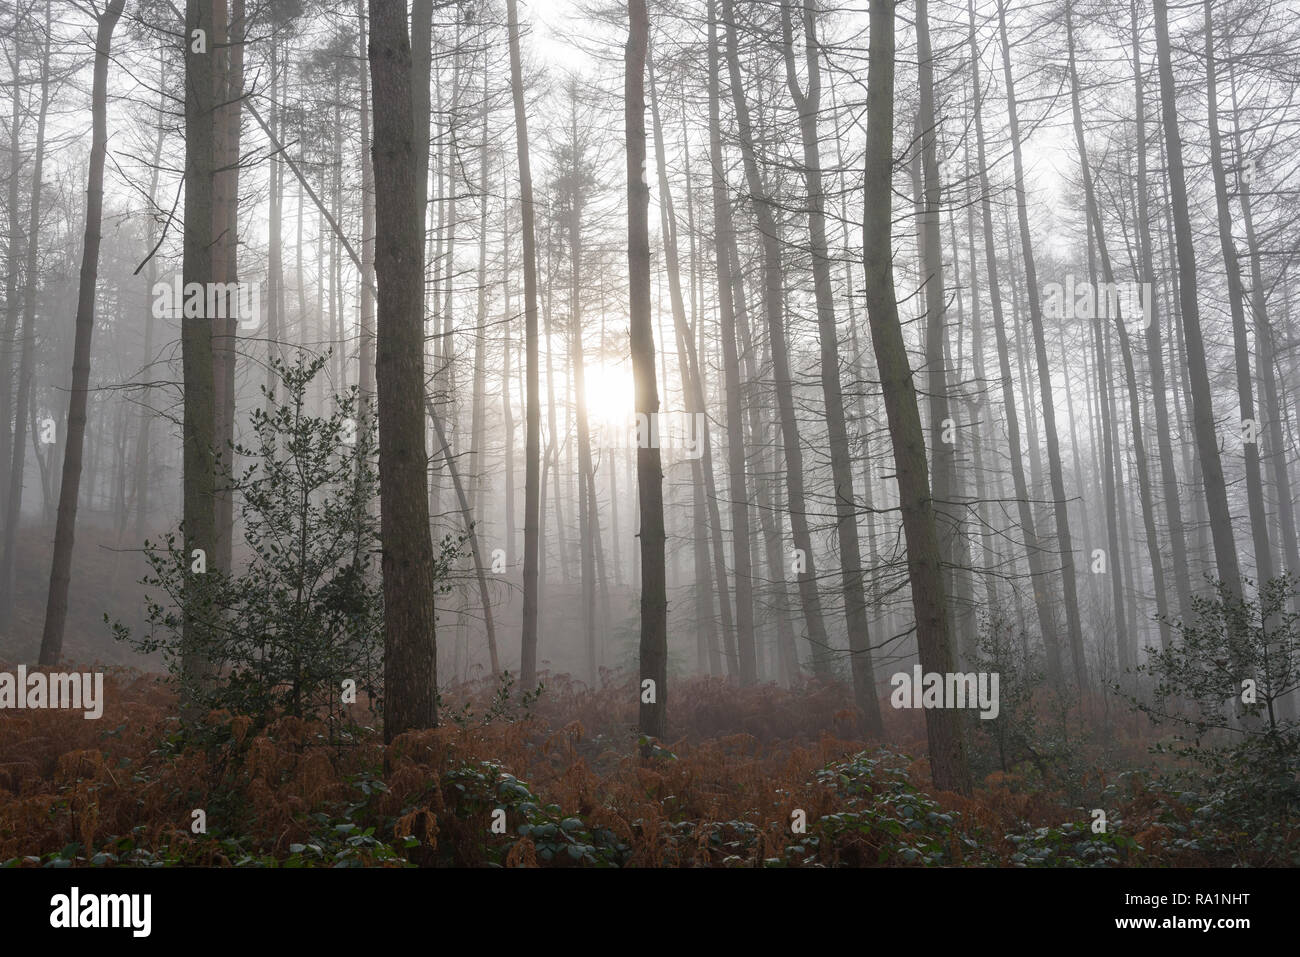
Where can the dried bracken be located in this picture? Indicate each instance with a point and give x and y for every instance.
(567, 774)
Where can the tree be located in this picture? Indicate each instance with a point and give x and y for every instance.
(706, 514)
(943, 453)
(23, 387)
(532, 400)
(1207, 443)
(924, 562)
(228, 78)
(56, 607)
(304, 614)
(1063, 540)
(1033, 551)
(737, 481)
(410, 642)
(1125, 644)
(1155, 352)
(808, 104)
(774, 314)
(649, 473)
(1237, 306)
(199, 427)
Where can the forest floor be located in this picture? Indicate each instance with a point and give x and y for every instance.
(566, 770)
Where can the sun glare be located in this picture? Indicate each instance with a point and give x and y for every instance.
(610, 394)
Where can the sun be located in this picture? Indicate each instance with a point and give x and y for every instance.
(610, 393)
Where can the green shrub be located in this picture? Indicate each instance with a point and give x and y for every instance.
(1224, 682)
(304, 613)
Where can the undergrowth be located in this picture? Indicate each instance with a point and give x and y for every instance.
(556, 780)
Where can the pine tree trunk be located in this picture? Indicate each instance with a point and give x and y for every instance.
(1155, 351)
(507, 407)
(27, 356)
(948, 506)
(654, 600)
(737, 480)
(275, 219)
(13, 256)
(925, 564)
(1264, 564)
(1265, 359)
(774, 313)
(410, 649)
(199, 430)
(229, 92)
(142, 444)
(1033, 550)
(1064, 542)
(56, 605)
(1216, 495)
(467, 516)
(478, 406)
(1130, 376)
(366, 352)
(532, 453)
(808, 104)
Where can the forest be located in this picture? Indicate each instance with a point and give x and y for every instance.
(649, 433)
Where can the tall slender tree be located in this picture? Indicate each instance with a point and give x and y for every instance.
(1065, 544)
(808, 104)
(650, 477)
(1207, 443)
(948, 765)
(773, 298)
(410, 642)
(532, 398)
(56, 606)
(199, 427)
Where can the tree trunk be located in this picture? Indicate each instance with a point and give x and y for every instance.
(774, 312)
(654, 599)
(925, 567)
(56, 605)
(1155, 351)
(1216, 495)
(1033, 551)
(1264, 363)
(737, 480)
(366, 351)
(151, 274)
(588, 526)
(532, 453)
(13, 256)
(478, 407)
(199, 512)
(948, 507)
(228, 82)
(275, 221)
(1130, 376)
(18, 452)
(507, 407)
(1109, 446)
(1264, 565)
(410, 649)
(706, 514)
(1064, 542)
(467, 516)
(808, 104)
